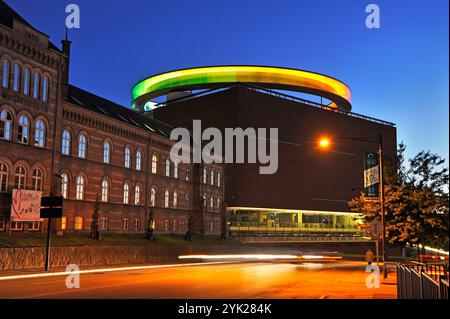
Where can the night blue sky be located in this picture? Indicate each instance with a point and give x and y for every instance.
(398, 73)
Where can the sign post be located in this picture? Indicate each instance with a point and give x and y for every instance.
(52, 209)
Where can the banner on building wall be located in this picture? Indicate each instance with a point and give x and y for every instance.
(371, 175)
(26, 206)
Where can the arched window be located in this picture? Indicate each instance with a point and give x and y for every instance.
(82, 146)
(65, 145)
(20, 177)
(137, 195)
(105, 190)
(138, 160)
(5, 78)
(36, 85)
(212, 178)
(80, 188)
(36, 179)
(126, 193)
(127, 158)
(23, 133)
(218, 179)
(205, 175)
(5, 125)
(26, 82)
(175, 170)
(106, 152)
(211, 202)
(16, 85)
(175, 199)
(45, 89)
(4, 171)
(167, 167)
(153, 197)
(166, 198)
(154, 164)
(204, 200)
(218, 203)
(64, 185)
(39, 134)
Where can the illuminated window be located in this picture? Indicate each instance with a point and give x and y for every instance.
(137, 195)
(82, 146)
(80, 188)
(211, 203)
(78, 223)
(24, 125)
(205, 175)
(175, 199)
(154, 164)
(36, 85)
(65, 145)
(188, 173)
(126, 193)
(153, 197)
(106, 152)
(64, 185)
(137, 224)
(212, 178)
(125, 224)
(16, 85)
(20, 177)
(4, 171)
(166, 198)
(218, 203)
(127, 155)
(36, 179)
(218, 179)
(39, 134)
(138, 160)
(5, 78)
(5, 125)
(104, 223)
(45, 89)
(175, 170)
(204, 200)
(64, 223)
(105, 190)
(167, 168)
(26, 82)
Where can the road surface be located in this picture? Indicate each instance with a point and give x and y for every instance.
(339, 279)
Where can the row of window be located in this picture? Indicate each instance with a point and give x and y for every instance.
(20, 178)
(24, 81)
(212, 180)
(24, 129)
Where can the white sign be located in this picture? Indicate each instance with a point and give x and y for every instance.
(371, 176)
(26, 206)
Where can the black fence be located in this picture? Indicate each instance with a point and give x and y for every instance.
(422, 281)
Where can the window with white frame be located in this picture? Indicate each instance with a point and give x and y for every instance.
(205, 175)
(212, 178)
(4, 172)
(105, 190)
(39, 134)
(137, 224)
(20, 177)
(6, 120)
(64, 185)
(154, 164)
(138, 160)
(127, 155)
(106, 152)
(126, 193)
(104, 223)
(166, 198)
(65, 145)
(80, 188)
(23, 129)
(82, 146)
(125, 224)
(137, 194)
(167, 167)
(211, 203)
(37, 179)
(175, 199)
(16, 225)
(33, 226)
(153, 197)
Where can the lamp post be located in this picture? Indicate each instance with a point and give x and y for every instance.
(325, 143)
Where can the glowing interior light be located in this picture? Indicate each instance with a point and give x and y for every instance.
(324, 142)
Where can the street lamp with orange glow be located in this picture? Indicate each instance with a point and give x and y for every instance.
(325, 142)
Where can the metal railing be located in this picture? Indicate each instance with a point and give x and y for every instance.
(422, 281)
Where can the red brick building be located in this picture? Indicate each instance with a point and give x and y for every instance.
(60, 139)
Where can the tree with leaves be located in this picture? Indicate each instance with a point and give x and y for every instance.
(416, 201)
